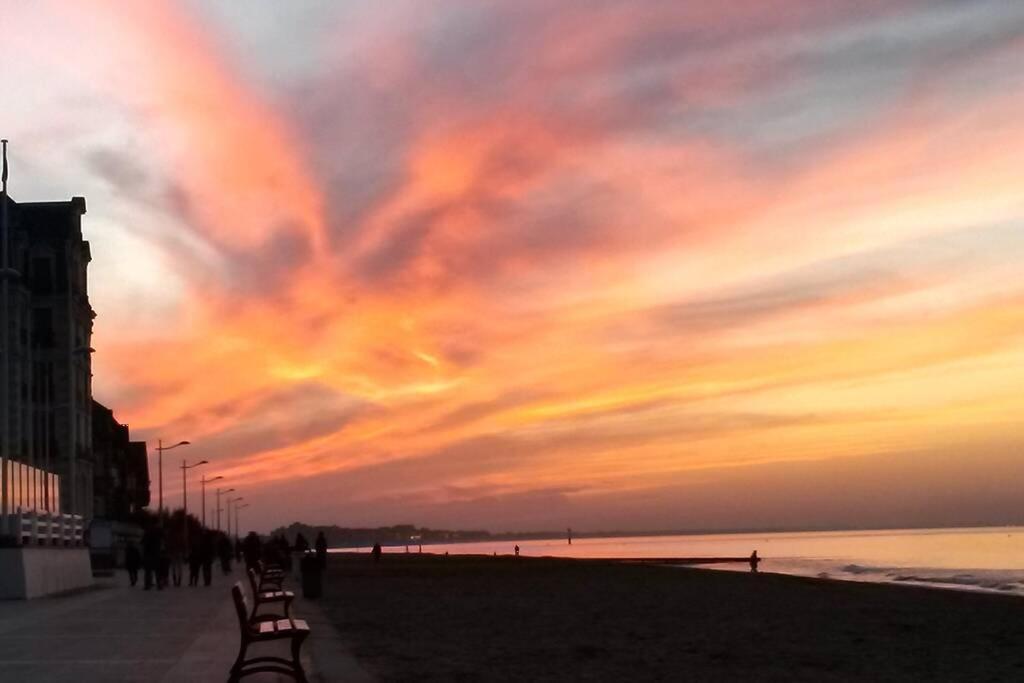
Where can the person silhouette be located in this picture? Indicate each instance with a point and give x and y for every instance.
(194, 563)
(152, 544)
(376, 552)
(517, 550)
(223, 552)
(132, 561)
(754, 561)
(321, 549)
(206, 556)
(252, 550)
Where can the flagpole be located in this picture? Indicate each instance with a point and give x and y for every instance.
(5, 337)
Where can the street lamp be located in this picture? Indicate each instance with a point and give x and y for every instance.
(160, 465)
(219, 508)
(5, 338)
(203, 482)
(230, 502)
(185, 467)
(237, 515)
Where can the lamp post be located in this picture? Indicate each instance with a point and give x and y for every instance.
(160, 448)
(236, 518)
(5, 338)
(219, 508)
(185, 467)
(230, 502)
(203, 482)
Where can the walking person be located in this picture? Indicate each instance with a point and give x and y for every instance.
(195, 561)
(132, 562)
(252, 550)
(163, 568)
(224, 553)
(301, 544)
(176, 553)
(206, 554)
(152, 541)
(321, 549)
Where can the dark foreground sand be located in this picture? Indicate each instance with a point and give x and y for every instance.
(465, 618)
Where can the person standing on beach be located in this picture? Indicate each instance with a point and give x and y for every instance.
(517, 550)
(754, 560)
(376, 553)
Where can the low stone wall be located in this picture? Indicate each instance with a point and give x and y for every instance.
(32, 572)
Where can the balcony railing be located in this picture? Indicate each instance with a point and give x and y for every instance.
(45, 528)
(31, 488)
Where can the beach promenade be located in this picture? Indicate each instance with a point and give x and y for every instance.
(114, 633)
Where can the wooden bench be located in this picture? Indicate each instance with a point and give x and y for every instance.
(295, 630)
(268, 598)
(271, 578)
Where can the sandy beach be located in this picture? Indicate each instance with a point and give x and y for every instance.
(464, 618)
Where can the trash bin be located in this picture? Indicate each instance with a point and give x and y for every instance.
(312, 576)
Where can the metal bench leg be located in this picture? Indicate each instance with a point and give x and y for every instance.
(300, 673)
(236, 669)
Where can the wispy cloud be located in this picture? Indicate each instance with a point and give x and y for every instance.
(470, 261)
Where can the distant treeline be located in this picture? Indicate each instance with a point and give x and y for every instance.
(400, 534)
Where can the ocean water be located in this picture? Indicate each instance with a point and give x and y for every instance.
(981, 559)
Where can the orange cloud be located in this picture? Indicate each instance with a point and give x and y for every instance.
(598, 252)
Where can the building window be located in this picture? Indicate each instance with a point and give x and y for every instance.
(42, 328)
(42, 275)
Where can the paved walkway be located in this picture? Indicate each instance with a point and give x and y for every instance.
(116, 633)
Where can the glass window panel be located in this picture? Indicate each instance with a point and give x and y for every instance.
(17, 485)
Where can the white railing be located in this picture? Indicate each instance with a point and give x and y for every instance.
(46, 528)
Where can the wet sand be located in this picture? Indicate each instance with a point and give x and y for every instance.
(467, 618)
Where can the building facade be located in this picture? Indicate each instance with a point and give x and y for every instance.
(49, 324)
(120, 468)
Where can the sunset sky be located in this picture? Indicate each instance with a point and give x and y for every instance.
(535, 264)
